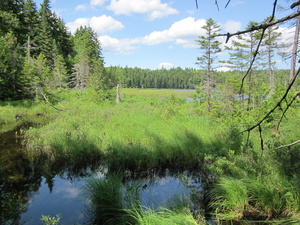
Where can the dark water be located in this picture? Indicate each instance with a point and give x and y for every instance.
(28, 192)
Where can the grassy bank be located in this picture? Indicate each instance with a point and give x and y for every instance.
(133, 134)
(156, 129)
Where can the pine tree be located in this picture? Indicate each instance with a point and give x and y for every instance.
(210, 46)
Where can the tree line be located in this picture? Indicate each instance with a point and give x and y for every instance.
(40, 57)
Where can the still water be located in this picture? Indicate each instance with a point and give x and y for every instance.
(37, 192)
(66, 198)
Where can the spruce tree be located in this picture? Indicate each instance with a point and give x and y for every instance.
(209, 46)
(44, 38)
(11, 79)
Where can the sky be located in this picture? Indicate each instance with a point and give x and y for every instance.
(161, 33)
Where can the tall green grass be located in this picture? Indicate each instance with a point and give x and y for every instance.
(111, 202)
(130, 135)
(153, 132)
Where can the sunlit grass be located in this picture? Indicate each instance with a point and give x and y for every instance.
(129, 135)
(130, 92)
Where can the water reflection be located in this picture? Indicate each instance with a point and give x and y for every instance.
(65, 199)
(30, 189)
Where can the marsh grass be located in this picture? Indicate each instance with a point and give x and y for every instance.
(161, 93)
(126, 135)
(163, 216)
(110, 201)
(152, 129)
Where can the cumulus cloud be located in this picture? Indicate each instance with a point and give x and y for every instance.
(97, 2)
(153, 8)
(183, 32)
(117, 46)
(165, 65)
(101, 25)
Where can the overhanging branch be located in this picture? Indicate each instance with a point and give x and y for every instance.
(259, 27)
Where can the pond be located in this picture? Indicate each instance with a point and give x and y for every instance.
(29, 190)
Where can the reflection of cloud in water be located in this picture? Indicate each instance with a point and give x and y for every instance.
(159, 192)
(69, 192)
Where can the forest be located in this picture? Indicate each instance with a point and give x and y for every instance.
(75, 116)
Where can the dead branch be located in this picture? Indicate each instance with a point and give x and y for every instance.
(227, 4)
(295, 4)
(278, 105)
(44, 96)
(288, 106)
(289, 145)
(274, 10)
(259, 27)
(216, 2)
(253, 59)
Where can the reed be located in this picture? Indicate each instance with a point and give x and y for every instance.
(108, 201)
(164, 216)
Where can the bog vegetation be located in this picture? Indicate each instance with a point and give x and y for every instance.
(56, 83)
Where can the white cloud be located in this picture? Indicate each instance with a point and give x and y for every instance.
(81, 7)
(101, 25)
(183, 32)
(97, 2)
(165, 65)
(232, 26)
(117, 46)
(153, 8)
(223, 69)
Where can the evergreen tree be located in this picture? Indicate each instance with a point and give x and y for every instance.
(210, 46)
(88, 55)
(31, 23)
(44, 39)
(242, 55)
(11, 79)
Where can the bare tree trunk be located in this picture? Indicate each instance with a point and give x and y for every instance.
(295, 48)
(118, 93)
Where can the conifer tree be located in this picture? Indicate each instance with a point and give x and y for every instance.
(241, 56)
(11, 79)
(210, 46)
(31, 22)
(88, 55)
(44, 38)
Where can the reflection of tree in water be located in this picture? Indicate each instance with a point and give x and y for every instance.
(17, 179)
(21, 177)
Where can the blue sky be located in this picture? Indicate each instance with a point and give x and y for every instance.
(155, 33)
